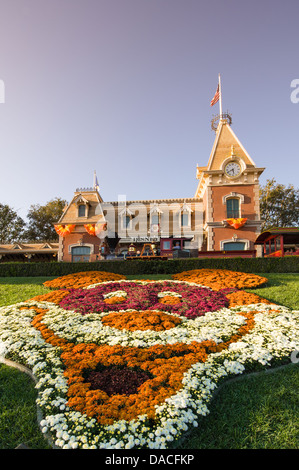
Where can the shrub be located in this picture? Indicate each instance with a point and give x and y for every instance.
(171, 266)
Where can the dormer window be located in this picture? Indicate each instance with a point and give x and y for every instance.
(186, 215)
(82, 210)
(155, 219)
(185, 219)
(82, 205)
(127, 222)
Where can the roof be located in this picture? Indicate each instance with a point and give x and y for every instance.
(156, 201)
(225, 138)
(291, 235)
(96, 207)
(85, 196)
(226, 147)
(43, 247)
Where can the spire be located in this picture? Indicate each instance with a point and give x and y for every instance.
(96, 186)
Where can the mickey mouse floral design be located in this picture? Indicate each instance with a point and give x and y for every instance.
(122, 364)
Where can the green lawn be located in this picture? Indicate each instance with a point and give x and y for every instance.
(254, 412)
(282, 289)
(18, 418)
(18, 289)
(258, 412)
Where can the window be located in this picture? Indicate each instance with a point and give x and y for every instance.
(230, 246)
(80, 253)
(232, 208)
(81, 210)
(126, 221)
(155, 219)
(166, 245)
(184, 219)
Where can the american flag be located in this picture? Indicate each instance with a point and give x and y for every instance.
(216, 96)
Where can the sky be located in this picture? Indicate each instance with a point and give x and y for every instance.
(123, 88)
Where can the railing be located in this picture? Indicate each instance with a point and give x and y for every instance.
(228, 254)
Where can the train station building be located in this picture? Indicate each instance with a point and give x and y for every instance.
(221, 218)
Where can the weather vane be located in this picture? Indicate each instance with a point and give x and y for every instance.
(221, 117)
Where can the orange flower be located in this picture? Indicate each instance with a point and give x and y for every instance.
(170, 300)
(82, 279)
(144, 320)
(218, 279)
(115, 300)
(55, 296)
(245, 298)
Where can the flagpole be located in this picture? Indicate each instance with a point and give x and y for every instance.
(220, 97)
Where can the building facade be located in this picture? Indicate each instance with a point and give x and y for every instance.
(221, 219)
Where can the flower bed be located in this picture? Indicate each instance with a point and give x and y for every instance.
(81, 279)
(196, 300)
(221, 278)
(132, 364)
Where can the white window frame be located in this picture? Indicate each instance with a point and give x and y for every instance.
(235, 240)
(234, 195)
(74, 245)
(85, 210)
(185, 209)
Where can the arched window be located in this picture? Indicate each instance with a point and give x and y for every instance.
(233, 208)
(80, 253)
(231, 246)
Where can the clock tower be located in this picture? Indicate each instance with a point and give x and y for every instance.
(229, 189)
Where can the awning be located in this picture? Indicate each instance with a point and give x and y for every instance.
(290, 235)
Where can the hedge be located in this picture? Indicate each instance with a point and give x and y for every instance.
(171, 266)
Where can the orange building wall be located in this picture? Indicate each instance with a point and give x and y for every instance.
(247, 232)
(74, 238)
(247, 208)
(227, 233)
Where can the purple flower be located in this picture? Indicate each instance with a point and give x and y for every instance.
(195, 300)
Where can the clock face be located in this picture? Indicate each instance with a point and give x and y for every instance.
(232, 169)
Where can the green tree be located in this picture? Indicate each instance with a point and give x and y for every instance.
(279, 205)
(11, 225)
(42, 218)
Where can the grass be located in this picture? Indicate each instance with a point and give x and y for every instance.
(18, 419)
(282, 289)
(18, 289)
(255, 412)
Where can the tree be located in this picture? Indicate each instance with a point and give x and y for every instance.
(11, 225)
(279, 205)
(42, 219)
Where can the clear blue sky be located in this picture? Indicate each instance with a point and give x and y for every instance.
(123, 87)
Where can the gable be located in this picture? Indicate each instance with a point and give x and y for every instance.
(91, 199)
(225, 144)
